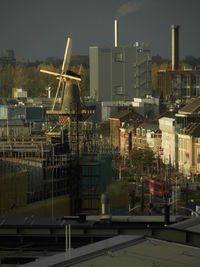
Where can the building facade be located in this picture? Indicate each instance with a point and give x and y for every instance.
(197, 155)
(167, 126)
(179, 84)
(147, 134)
(120, 73)
(186, 152)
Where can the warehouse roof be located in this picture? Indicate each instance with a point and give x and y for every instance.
(125, 251)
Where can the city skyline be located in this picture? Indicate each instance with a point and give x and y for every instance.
(39, 29)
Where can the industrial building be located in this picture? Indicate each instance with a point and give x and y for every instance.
(120, 73)
(179, 84)
(176, 83)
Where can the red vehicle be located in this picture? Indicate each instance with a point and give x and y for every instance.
(158, 188)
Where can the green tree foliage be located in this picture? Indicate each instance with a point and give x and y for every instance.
(142, 159)
(33, 81)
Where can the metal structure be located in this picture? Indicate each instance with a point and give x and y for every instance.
(49, 234)
(50, 170)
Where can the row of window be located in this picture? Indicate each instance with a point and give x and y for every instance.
(139, 141)
(143, 132)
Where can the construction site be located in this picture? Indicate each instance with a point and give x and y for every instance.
(61, 171)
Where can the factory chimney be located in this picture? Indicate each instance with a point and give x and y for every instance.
(116, 33)
(175, 47)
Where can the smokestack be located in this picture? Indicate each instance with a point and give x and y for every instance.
(116, 33)
(175, 47)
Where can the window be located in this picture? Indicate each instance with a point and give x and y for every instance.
(138, 131)
(118, 57)
(143, 132)
(118, 90)
(152, 135)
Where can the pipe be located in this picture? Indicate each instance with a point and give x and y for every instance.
(66, 239)
(116, 33)
(69, 241)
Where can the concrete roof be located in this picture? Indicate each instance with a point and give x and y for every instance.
(86, 252)
(126, 251)
(192, 224)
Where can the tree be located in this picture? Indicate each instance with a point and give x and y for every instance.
(142, 159)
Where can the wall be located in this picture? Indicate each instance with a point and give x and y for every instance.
(13, 190)
(120, 73)
(166, 125)
(185, 157)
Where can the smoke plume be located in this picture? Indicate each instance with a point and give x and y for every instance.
(128, 8)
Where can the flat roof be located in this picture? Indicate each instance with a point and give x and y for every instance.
(192, 224)
(137, 218)
(126, 251)
(87, 252)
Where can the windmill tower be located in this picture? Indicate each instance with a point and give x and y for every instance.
(72, 109)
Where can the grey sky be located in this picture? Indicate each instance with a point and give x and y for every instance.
(36, 29)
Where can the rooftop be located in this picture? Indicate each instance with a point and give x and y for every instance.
(193, 106)
(124, 251)
(121, 114)
(192, 224)
(193, 129)
(150, 125)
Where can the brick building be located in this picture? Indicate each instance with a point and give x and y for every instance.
(118, 120)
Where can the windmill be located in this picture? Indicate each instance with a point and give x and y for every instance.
(69, 88)
(65, 74)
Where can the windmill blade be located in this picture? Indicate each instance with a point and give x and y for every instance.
(50, 72)
(67, 56)
(65, 66)
(70, 75)
(57, 91)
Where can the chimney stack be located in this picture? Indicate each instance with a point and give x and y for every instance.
(116, 33)
(175, 47)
